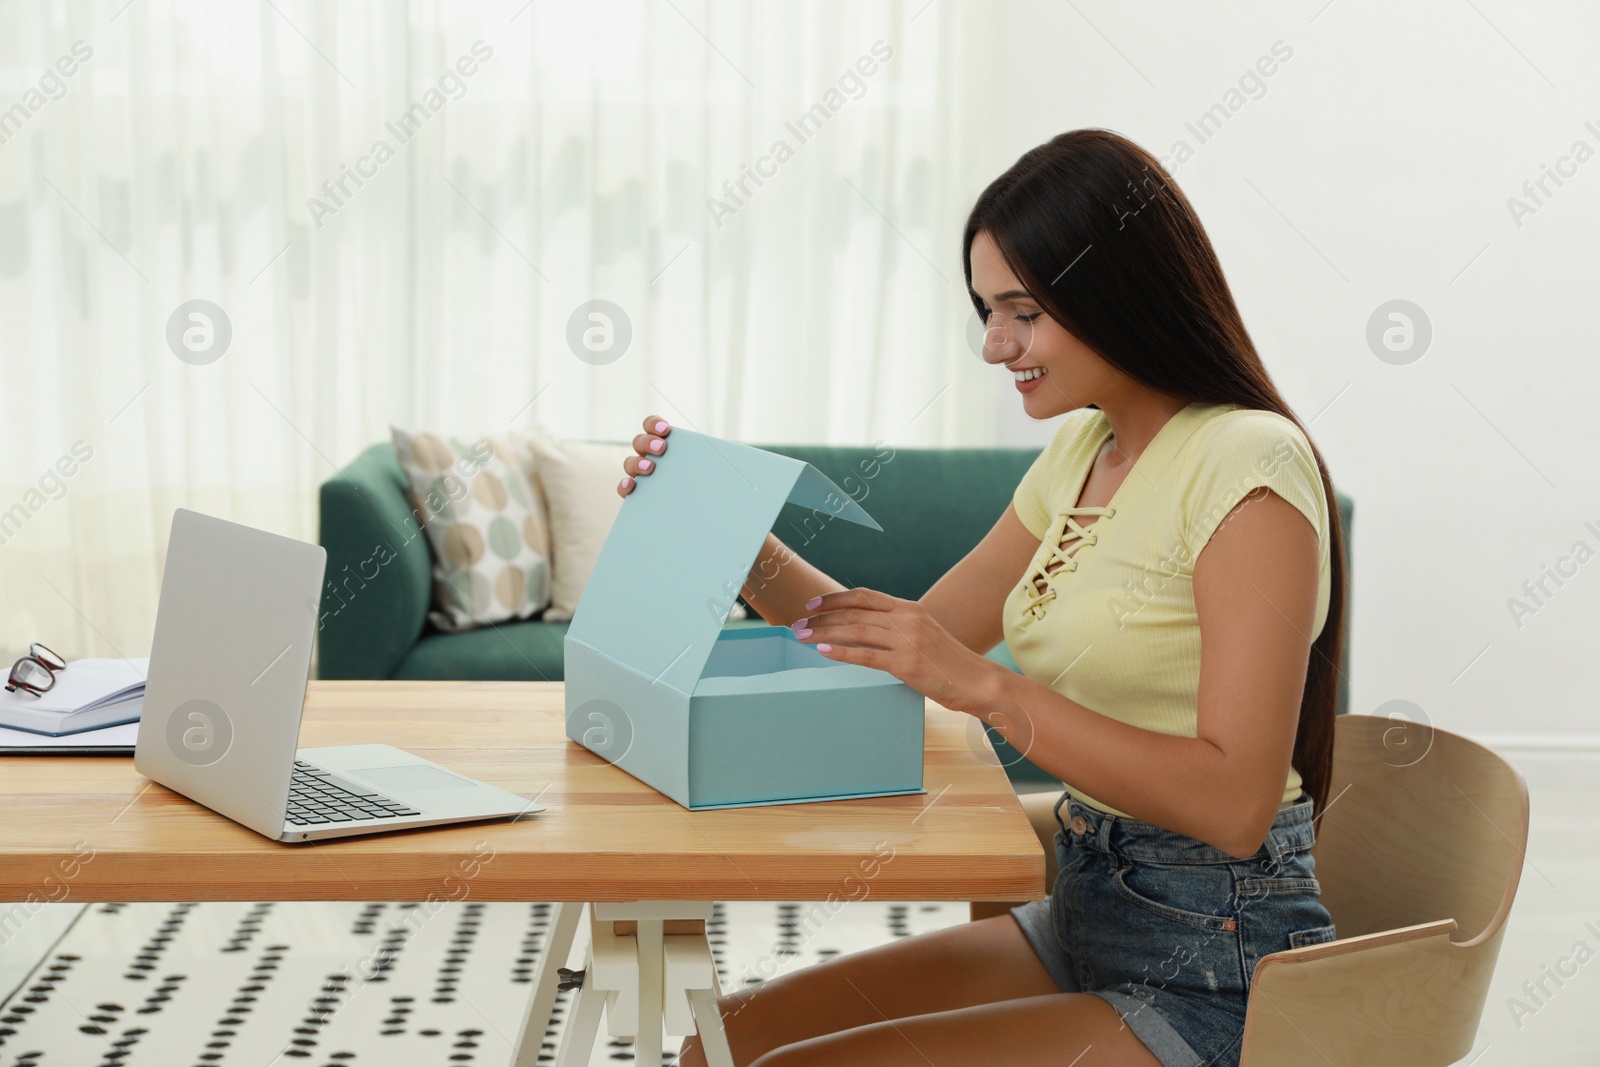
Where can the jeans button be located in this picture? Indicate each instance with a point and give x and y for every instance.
(1080, 825)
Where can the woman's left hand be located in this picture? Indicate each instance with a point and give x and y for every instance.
(900, 637)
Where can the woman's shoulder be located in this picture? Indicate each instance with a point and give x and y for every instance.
(1230, 435)
(1078, 427)
(1235, 450)
(1223, 423)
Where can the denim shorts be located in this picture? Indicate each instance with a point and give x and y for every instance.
(1168, 929)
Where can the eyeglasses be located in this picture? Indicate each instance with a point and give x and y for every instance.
(35, 672)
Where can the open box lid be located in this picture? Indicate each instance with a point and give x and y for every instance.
(682, 547)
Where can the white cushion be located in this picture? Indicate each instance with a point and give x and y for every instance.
(578, 480)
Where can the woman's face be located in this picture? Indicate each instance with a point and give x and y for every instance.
(1065, 374)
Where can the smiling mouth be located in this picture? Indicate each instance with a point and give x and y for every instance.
(1029, 374)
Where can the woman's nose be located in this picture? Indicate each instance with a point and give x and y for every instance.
(998, 344)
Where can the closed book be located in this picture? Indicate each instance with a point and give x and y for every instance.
(88, 694)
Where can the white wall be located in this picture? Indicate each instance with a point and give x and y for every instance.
(1377, 165)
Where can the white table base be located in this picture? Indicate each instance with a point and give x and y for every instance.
(643, 983)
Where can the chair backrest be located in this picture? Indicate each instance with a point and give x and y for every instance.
(1421, 824)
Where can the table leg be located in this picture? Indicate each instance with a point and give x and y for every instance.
(558, 945)
(583, 1024)
(708, 1020)
(626, 980)
(24, 947)
(652, 992)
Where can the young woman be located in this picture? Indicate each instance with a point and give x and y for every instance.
(1168, 577)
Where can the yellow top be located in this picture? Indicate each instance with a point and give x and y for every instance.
(1122, 638)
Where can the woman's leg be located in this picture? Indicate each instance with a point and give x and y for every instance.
(944, 971)
(1059, 1030)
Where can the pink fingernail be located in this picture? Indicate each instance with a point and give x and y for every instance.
(655, 446)
(661, 427)
(814, 603)
(624, 483)
(824, 648)
(798, 623)
(645, 464)
(803, 634)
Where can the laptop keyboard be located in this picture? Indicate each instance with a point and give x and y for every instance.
(318, 798)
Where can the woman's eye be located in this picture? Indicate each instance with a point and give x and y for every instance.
(1029, 318)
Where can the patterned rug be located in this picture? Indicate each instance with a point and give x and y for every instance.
(345, 984)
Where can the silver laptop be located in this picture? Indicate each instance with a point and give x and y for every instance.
(228, 672)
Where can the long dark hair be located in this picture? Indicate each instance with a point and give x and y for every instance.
(1109, 246)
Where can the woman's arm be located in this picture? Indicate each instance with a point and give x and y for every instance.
(1255, 589)
(781, 582)
(966, 601)
(969, 600)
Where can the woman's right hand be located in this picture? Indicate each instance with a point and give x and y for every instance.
(650, 446)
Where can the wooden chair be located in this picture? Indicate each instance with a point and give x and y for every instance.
(1419, 852)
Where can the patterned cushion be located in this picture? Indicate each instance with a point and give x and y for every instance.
(486, 526)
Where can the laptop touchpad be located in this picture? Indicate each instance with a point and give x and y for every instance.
(412, 778)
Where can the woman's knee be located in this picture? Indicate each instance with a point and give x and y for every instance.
(796, 1055)
(691, 1054)
(877, 1043)
(729, 1007)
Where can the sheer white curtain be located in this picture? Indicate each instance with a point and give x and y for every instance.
(399, 208)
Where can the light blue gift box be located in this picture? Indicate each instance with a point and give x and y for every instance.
(714, 718)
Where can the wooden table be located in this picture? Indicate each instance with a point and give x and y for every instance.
(91, 829)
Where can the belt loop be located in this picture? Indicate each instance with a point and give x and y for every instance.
(1100, 824)
(1275, 850)
(1102, 821)
(1062, 799)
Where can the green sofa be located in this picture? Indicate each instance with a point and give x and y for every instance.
(934, 505)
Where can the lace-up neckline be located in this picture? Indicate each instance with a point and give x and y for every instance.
(1065, 537)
